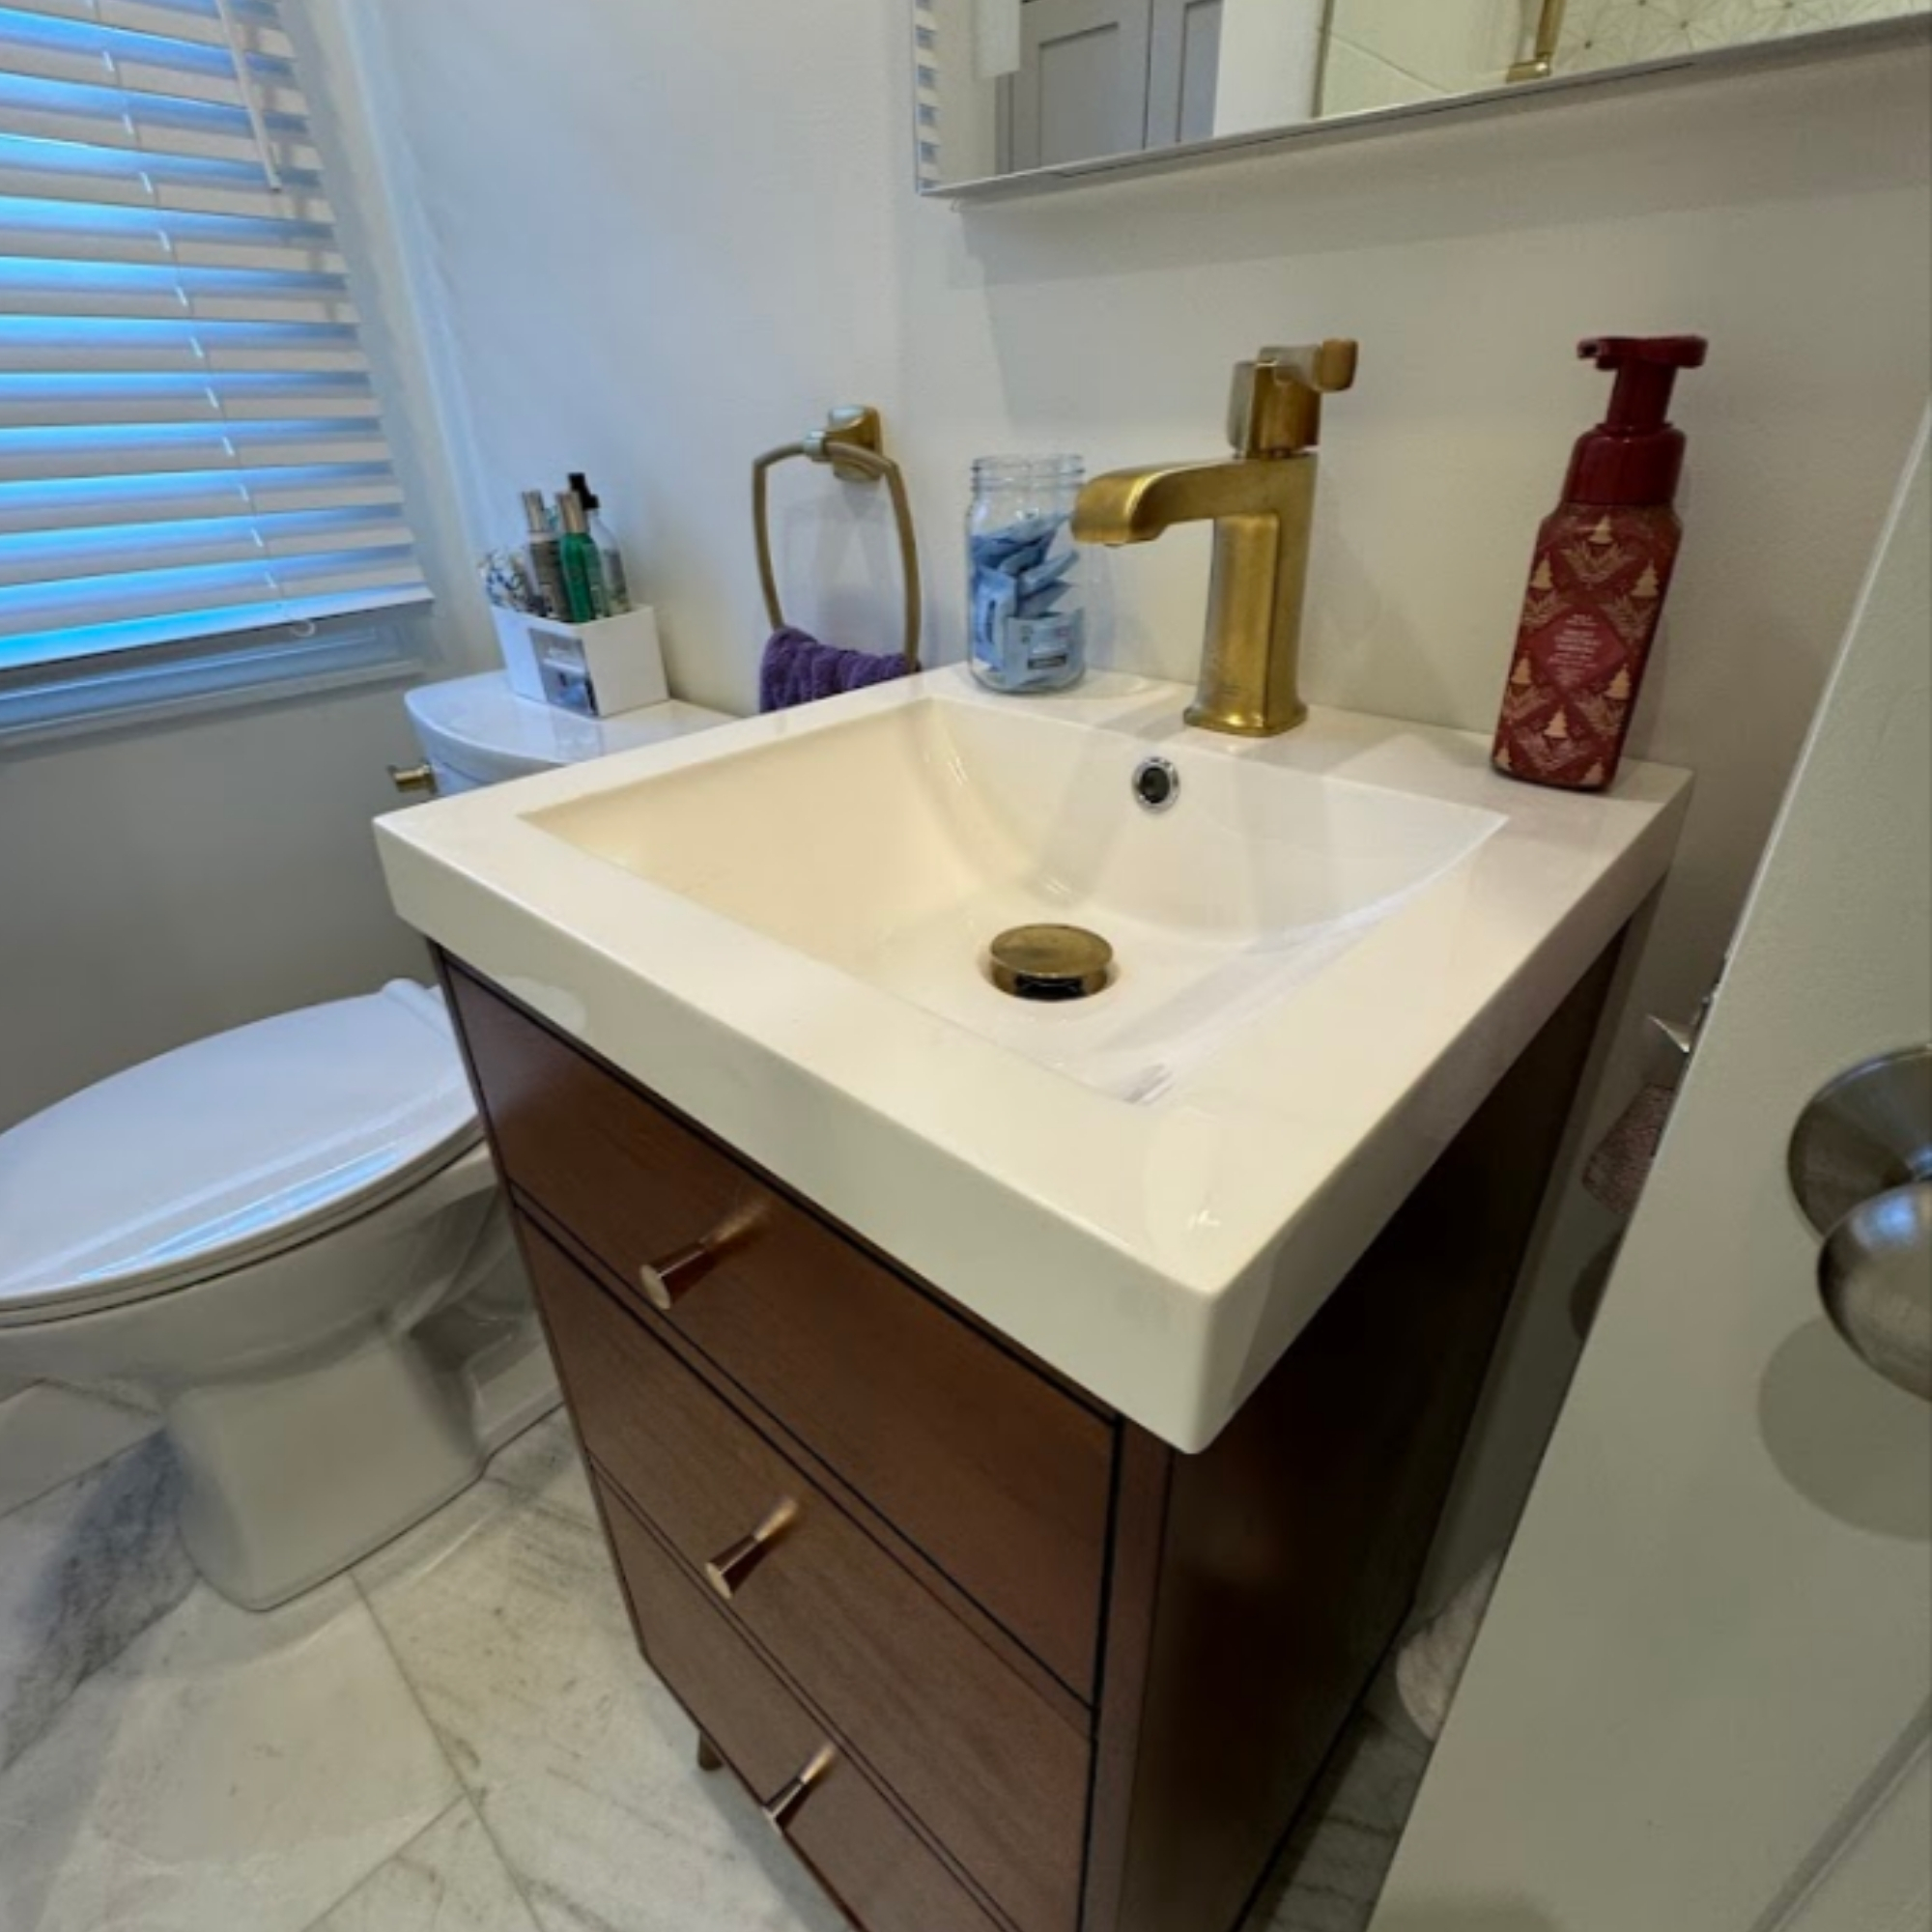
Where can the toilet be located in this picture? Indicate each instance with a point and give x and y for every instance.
(289, 1239)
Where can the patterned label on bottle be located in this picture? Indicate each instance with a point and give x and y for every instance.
(1595, 595)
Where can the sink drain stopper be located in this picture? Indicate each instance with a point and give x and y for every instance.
(1051, 962)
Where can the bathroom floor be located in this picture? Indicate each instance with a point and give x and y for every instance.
(458, 1736)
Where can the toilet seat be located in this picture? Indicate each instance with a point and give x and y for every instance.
(227, 1152)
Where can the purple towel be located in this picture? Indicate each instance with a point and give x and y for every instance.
(798, 668)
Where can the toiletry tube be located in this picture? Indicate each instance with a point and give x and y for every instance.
(545, 555)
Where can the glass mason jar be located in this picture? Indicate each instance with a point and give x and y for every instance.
(1025, 606)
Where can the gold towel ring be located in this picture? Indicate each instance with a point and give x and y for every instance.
(851, 443)
(1542, 62)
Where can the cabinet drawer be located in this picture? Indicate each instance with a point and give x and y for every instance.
(869, 1858)
(974, 1752)
(999, 1478)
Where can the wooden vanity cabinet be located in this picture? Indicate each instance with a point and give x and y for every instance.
(990, 1655)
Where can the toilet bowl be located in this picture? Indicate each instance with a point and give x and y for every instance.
(257, 1234)
(290, 1239)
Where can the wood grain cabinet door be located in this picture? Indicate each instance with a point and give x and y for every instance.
(994, 1772)
(864, 1852)
(999, 1476)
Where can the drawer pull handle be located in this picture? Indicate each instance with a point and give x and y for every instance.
(725, 1573)
(785, 1807)
(667, 1282)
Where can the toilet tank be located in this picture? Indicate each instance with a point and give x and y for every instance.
(449, 780)
(476, 731)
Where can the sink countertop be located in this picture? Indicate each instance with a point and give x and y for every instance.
(1162, 1253)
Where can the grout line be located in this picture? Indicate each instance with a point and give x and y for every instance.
(375, 1871)
(80, 1475)
(463, 1785)
(522, 1498)
(557, 1513)
(528, 1498)
(110, 1397)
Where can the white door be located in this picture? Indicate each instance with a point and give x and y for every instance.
(1702, 1697)
(1082, 89)
(1183, 70)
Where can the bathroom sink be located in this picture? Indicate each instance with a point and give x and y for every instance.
(897, 847)
(1328, 948)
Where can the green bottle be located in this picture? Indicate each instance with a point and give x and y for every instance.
(583, 571)
(610, 558)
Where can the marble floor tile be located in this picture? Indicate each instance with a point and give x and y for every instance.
(543, 1466)
(227, 1770)
(48, 1436)
(1331, 1874)
(83, 1571)
(449, 1879)
(461, 1737)
(513, 1634)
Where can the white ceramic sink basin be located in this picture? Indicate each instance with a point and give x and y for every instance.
(895, 846)
(1328, 952)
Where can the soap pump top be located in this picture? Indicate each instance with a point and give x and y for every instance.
(1634, 456)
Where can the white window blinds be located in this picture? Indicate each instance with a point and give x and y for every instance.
(189, 442)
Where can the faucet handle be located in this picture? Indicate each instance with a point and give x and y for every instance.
(1276, 406)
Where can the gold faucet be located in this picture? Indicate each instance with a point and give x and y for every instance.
(1261, 503)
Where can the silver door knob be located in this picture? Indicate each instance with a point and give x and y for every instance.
(1860, 1166)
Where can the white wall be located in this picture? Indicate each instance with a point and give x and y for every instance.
(1379, 53)
(1610, 33)
(650, 243)
(171, 882)
(979, 44)
(1270, 65)
(655, 240)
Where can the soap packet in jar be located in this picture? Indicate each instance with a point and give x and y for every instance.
(1025, 602)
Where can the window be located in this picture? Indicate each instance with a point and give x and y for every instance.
(193, 471)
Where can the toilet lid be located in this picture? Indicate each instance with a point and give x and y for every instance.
(228, 1150)
(480, 726)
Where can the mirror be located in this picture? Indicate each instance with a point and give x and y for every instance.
(1017, 91)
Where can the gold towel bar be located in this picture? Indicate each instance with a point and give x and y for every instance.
(852, 444)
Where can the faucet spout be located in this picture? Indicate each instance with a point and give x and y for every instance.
(1261, 509)
(1129, 506)
(1262, 504)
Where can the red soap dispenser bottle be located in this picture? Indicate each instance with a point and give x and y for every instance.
(1602, 567)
